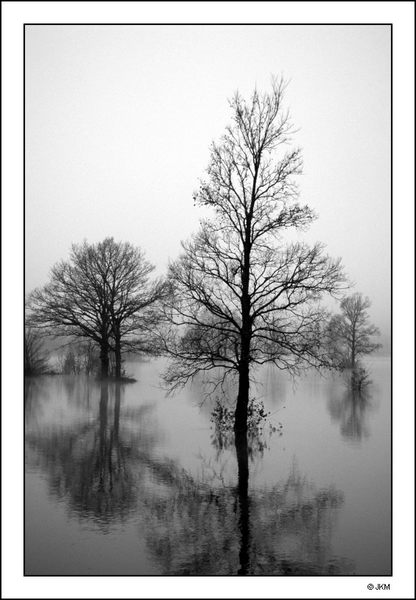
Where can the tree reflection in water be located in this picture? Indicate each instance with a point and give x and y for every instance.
(35, 393)
(106, 469)
(351, 411)
(90, 462)
(241, 447)
(218, 530)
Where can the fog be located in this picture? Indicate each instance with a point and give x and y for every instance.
(119, 120)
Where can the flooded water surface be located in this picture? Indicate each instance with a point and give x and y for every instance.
(124, 480)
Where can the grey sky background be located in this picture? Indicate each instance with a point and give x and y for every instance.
(119, 120)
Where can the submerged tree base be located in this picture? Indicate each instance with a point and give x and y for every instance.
(41, 374)
(259, 427)
(122, 379)
(360, 378)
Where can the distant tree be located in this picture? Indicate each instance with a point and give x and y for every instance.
(241, 297)
(334, 344)
(89, 357)
(71, 364)
(102, 293)
(78, 357)
(36, 360)
(350, 332)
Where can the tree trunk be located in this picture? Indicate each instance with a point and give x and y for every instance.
(117, 353)
(240, 423)
(241, 447)
(104, 358)
(353, 357)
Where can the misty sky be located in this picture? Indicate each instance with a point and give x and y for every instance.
(119, 120)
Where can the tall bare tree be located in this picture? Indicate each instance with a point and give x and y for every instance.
(102, 293)
(242, 294)
(351, 332)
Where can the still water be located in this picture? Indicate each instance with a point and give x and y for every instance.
(124, 480)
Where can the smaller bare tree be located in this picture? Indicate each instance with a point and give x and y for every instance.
(350, 333)
(36, 359)
(102, 295)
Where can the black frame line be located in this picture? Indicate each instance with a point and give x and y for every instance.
(391, 269)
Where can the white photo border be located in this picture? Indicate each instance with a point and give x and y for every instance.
(15, 14)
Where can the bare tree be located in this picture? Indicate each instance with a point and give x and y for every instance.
(36, 359)
(243, 296)
(351, 333)
(102, 293)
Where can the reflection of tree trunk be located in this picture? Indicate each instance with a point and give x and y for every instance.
(103, 432)
(114, 434)
(243, 500)
(117, 413)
